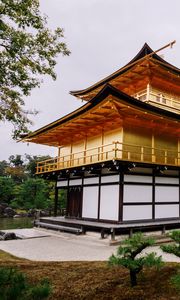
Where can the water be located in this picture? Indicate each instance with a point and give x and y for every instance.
(15, 223)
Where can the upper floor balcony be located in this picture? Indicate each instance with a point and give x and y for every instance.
(112, 151)
(159, 99)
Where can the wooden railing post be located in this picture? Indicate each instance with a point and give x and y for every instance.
(165, 157)
(142, 153)
(115, 150)
(98, 154)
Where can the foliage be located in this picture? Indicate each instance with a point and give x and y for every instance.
(3, 166)
(31, 162)
(14, 285)
(62, 198)
(175, 280)
(127, 256)
(40, 291)
(20, 188)
(175, 248)
(16, 160)
(16, 173)
(6, 189)
(28, 50)
(34, 193)
(15, 169)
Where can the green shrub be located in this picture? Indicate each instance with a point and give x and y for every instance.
(175, 248)
(14, 286)
(128, 256)
(175, 280)
(40, 291)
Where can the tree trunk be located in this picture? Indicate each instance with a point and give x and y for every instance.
(133, 278)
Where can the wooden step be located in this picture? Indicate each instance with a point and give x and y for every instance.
(59, 227)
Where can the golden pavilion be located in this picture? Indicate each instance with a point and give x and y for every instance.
(118, 156)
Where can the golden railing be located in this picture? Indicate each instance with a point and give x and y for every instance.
(115, 150)
(165, 101)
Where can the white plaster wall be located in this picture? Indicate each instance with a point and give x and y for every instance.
(92, 180)
(109, 205)
(112, 178)
(75, 182)
(62, 183)
(139, 212)
(137, 193)
(137, 178)
(166, 193)
(167, 180)
(90, 202)
(167, 211)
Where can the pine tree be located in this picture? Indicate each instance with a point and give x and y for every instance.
(174, 249)
(128, 256)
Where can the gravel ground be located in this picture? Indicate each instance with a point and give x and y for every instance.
(41, 245)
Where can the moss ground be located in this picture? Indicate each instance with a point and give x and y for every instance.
(96, 280)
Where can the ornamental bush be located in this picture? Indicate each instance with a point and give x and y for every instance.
(174, 249)
(14, 285)
(128, 256)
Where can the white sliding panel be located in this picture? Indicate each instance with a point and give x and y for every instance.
(137, 193)
(75, 182)
(137, 212)
(109, 204)
(90, 202)
(167, 211)
(167, 194)
(137, 178)
(62, 183)
(91, 180)
(111, 178)
(167, 180)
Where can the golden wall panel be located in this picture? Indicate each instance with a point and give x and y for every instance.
(78, 152)
(64, 156)
(168, 146)
(111, 136)
(93, 148)
(137, 144)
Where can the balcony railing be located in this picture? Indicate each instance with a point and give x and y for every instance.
(115, 150)
(159, 99)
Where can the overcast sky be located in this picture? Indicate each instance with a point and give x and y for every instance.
(103, 35)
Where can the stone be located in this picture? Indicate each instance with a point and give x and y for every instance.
(17, 216)
(31, 212)
(9, 236)
(9, 212)
(44, 213)
(2, 208)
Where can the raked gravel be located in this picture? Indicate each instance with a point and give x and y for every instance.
(45, 245)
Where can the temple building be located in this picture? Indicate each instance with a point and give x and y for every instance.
(118, 155)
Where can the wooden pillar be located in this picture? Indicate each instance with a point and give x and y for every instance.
(153, 150)
(121, 191)
(148, 92)
(55, 201)
(153, 194)
(178, 160)
(112, 234)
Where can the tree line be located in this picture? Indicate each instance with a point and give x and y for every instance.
(19, 186)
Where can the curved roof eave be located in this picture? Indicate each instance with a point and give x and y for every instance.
(105, 92)
(145, 50)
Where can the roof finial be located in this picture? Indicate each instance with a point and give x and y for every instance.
(172, 43)
(166, 46)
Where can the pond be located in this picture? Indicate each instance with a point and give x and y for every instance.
(14, 223)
